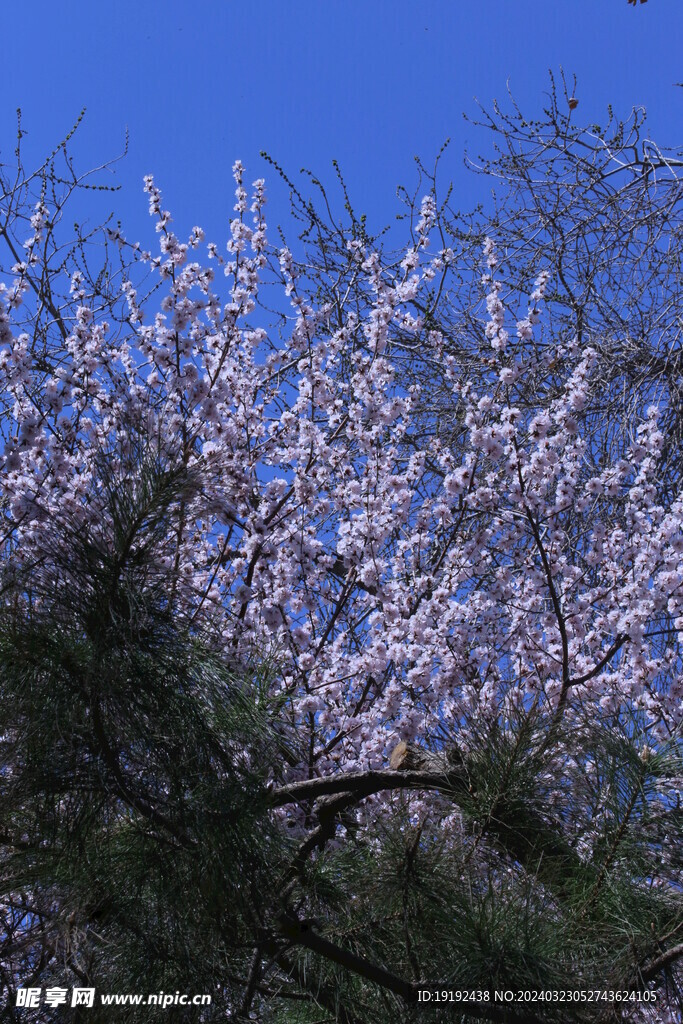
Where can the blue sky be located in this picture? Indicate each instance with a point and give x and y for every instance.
(369, 83)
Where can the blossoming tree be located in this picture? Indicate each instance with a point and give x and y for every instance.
(304, 704)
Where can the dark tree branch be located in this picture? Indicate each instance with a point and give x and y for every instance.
(655, 967)
(301, 934)
(519, 832)
(358, 784)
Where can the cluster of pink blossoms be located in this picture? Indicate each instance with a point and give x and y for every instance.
(398, 586)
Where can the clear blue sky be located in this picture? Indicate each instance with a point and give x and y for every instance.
(369, 83)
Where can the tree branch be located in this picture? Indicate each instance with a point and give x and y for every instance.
(655, 967)
(301, 934)
(357, 784)
(520, 833)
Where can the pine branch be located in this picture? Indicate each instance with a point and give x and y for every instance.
(525, 837)
(301, 934)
